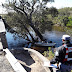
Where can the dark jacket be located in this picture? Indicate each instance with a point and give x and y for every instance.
(60, 53)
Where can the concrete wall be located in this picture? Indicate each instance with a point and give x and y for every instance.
(3, 40)
(2, 35)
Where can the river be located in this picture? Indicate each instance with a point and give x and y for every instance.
(53, 35)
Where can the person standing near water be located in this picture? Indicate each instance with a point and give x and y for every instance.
(63, 54)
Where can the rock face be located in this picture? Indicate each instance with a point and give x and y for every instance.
(32, 60)
(29, 60)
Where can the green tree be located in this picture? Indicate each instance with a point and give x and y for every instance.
(14, 20)
(65, 20)
(53, 11)
(28, 7)
(69, 23)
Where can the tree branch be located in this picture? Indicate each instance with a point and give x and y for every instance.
(32, 10)
(21, 10)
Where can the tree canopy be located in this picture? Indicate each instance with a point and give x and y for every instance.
(28, 7)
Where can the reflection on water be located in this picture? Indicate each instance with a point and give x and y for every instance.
(54, 35)
(15, 41)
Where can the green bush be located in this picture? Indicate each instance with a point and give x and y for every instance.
(70, 21)
(49, 54)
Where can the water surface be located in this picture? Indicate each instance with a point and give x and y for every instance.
(53, 35)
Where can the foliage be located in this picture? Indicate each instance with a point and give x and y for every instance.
(65, 21)
(16, 21)
(39, 15)
(43, 20)
(64, 11)
(49, 54)
(68, 30)
(28, 7)
(69, 21)
(53, 11)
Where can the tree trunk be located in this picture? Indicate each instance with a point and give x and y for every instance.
(36, 30)
(29, 18)
(29, 33)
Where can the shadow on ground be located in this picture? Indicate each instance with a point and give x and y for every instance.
(24, 56)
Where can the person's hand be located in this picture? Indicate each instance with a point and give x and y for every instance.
(52, 62)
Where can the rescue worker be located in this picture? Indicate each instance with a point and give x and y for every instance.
(63, 54)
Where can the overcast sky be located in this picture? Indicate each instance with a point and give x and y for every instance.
(2, 10)
(61, 3)
(58, 4)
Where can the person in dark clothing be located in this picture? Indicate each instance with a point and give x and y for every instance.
(0, 17)
(63, 55)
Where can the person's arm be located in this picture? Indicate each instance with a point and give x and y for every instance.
(56, 58)
(59, 55)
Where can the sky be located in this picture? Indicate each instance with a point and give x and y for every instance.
(61, 3)
(58, 4)
(2, 10)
